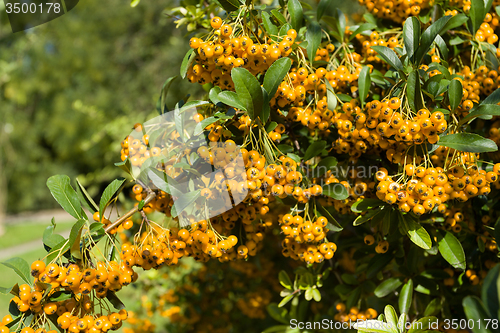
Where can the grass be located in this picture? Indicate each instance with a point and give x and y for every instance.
(24, 232)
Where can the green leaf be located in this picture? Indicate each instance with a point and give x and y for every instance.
(270, 28)
(316, 295)
(368, 216)
(192, 105)
(322, 6)
(366, 204)
(85, 198)
(389, 56)
(229, 5)
(161, 106)
(477, 13)
(281, 19)
(134, 3)
(341, 23)
(313, 39)
(433, 307)
(387, 287)
(214, 94)
(285, 280)
(405, 297)
(277, 312)
(184, 201)
(272, 125)
(200, 127)
(362, 28)
(474, 309)
(411, 35)
(275, 75)
(429, 36)
(336, 191)
(391, 317)
(377, 263)
(74, 238)
(314, 150)
(11, 290)
(333, 225)
(330, 96)
(455, 22)
(372, 326)
(266, 107)
(65, 195)
(296, 13)
(364, 83)
(117, 303)
(325, 165)
(249, 91)
(124, 165)
(21, 267)
(455, 94)
(49, 238)
(490, 292)
(468, 142)
(187, 62)
(424, 325)
(108, 194)
(451, 249)
(443, 48)
(416, 232)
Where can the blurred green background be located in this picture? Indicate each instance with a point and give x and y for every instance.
(70, 91)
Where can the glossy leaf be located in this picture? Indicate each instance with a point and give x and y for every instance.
(416, 232)
(187, 62)
(468, 142)
(389, 56)
(315, 149)
(411, 35)
(313, 39)
(387, 287)
(21, 267)
(362, 28)
(366, 204)
(65, 195)
(270, 28)
(477, 13)
(232, 99)
(109, 193)
(325, 165)
(451, 249)
(296, 13)
(279, 16)
(405, 297)
(455, 93)
(428, 37)
(336, 191)
(214, 94)
(332, 225)
(414, 91)
(364, 83)
(474, 309)
(275, 75)
(249, 91)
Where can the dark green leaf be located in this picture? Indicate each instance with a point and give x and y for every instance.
(341, 23)
(416, 232)
(115, 301)
(468, 142)
(325, 165)
(272, 125)
(455, 94)
(86, 199)
(270, 28)
(186, 62)
(9, 290)
(124, 165)
(266, 107)
(455, 22)
(405, 297)
(278, 16)
(313, 38)
(377, 263)
(109, 193)
(362, 28)
(322, 6)
(411, 35)
(364, 83)
(74, 238)
(490, 292)
(336, 191)
(65, 195)
(441, 44)
(333, 225)
(474, 309)
(200, 127)
(275, 75)
(366, 204)
(477, 13)
(21, 267)
(60, 296)
(451, 249)
(429, 36)
(314, 149)
(296, 13)
(277, 312)
(387, 287)
(229, 5)
(249, 91)
(389, 56)
(433, 307)
(368, 216)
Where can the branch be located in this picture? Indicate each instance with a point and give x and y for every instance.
(131, 212)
